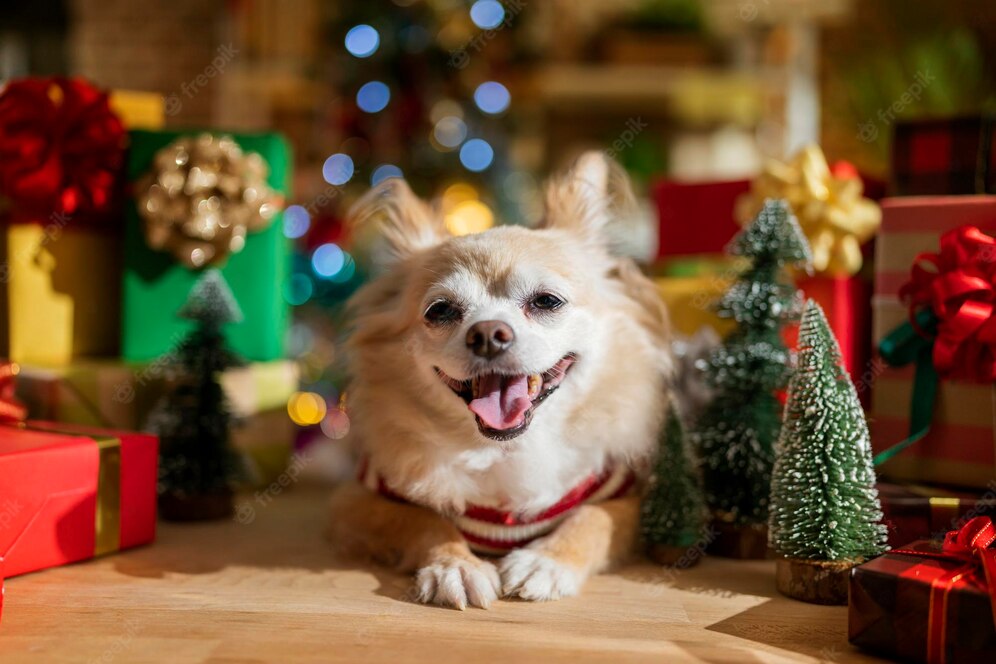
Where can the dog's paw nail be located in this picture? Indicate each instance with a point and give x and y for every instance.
(531, 575)
(457, 583)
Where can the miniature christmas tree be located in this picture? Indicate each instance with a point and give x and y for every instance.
(673, 511)
(197, 464)
(736, 432)
(825, 513)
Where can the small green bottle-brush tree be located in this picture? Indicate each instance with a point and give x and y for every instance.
(197, 465)
(736, 432)
(825, 512)
(673, 512)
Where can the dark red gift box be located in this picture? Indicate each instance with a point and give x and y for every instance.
(914, 512)
(70, 493)
(944, 156)
(929, 602)
(696, 218)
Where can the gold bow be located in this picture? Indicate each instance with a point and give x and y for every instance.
(831, 210)
(203, 196)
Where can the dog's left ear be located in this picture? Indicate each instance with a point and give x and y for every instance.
(589, 196)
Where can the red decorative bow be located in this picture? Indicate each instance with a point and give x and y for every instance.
(11, 410)
(61, 146)
(959, 285)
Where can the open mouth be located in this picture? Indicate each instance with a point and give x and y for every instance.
(504, 404)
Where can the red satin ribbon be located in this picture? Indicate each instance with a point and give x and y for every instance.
(61, 146)
(11, 410)
(959, 285)
(972, 546)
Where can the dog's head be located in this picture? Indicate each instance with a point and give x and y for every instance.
(505, 334)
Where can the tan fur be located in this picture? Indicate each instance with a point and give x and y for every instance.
(422, 440)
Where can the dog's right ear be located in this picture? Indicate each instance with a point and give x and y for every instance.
(395, 223)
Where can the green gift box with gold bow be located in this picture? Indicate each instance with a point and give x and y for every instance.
(205, 199)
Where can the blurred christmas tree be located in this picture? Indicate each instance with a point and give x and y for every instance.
(673, 510)
(735, 434)
(825, 512)
(197, 464)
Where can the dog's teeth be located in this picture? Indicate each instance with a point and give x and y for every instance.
(535, 383)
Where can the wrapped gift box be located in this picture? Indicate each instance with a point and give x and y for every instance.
(897, 608)
(121, 394)
(915, 511)
(944, 156)
(690, 300)
(156, 285)
(847, 303)
(960, 448)
(72, 493)
(696, 218)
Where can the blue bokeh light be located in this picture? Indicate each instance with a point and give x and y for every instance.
(372, 97)
(492, 97)
(328, 259)
(487, 14)
(476, 155)
(297, 221)
(338, 169)
(346, 272)
(362, 40)
(383, 172)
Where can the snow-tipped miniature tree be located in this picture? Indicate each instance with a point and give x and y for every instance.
(673, 511)
(735, 434)
(197, 464)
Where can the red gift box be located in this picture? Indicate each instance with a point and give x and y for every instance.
(915, 512)
(847, 303)
(927, 602)
(696, 218)
(944, 156)
(70, 493)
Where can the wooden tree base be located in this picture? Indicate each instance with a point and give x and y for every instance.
(201, 507)
(814, 581)
(680, 557)
(744, 542)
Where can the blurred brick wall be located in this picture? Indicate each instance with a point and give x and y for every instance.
(165, 47)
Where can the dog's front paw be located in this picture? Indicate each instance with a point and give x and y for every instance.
(532, 575)
(456, 582)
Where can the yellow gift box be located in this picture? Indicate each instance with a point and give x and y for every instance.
(690, 301)
(61, 292)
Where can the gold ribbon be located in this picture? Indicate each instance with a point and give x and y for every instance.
(202, 198)
(107, 516)
(832, 211)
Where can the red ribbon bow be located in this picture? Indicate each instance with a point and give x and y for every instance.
(61, 146)
(11, 410)
(959, 285)
(972, 545)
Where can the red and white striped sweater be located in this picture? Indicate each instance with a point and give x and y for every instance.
(492, 531)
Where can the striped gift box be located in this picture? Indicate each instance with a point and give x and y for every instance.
(961, 446)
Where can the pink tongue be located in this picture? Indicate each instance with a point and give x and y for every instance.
(502, 401)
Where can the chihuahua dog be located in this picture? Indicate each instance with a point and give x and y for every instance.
(505, 387)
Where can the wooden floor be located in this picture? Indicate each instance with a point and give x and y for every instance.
(264, 588)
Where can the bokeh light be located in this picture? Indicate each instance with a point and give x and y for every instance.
(469, 217)
(328, 259)
(298, 289)
(346, 272)
(362, 40)
(335, 425)
(449, 132)
(492, 97)
(338, 169)
(443, 108)
(385, 171)
(476, 155)
(296, 221)
(373, 97)
(458, 193)
(487, 14)
(306, 408)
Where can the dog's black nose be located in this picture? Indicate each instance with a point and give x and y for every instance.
(489, 338)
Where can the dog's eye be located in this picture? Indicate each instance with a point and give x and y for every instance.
(442, 311)
(546, 302)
